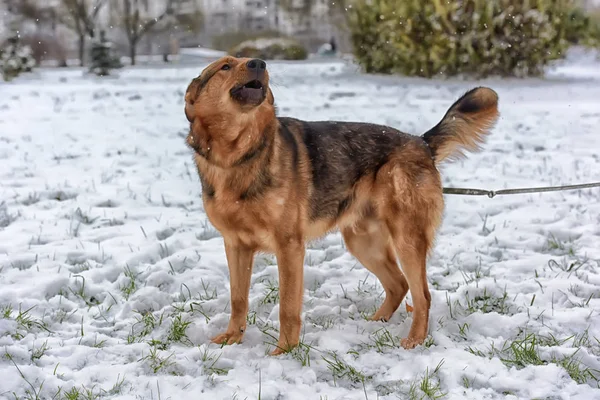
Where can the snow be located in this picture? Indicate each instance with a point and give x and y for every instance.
(105, 247)
(202, 52)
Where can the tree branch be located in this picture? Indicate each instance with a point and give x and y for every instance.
(148, 25)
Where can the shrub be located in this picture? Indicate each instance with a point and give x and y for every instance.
(476, 37)
(229, 40)
(102, 57)
(295, 52)
(583, 27)
(15, 58)
(270, 49)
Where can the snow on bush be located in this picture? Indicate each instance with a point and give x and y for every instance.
(15, 59)
(270, 49)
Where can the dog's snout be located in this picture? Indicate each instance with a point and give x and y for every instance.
(256, 65)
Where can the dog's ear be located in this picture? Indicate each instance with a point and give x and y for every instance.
(270, 97)
(190, 98)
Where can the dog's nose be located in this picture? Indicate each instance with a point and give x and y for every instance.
(256, 65)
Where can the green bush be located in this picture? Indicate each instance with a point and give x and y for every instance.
(295, 52)
(583, 27)
(475, 37)
(15, 58)
(270, 49)
(229, 40)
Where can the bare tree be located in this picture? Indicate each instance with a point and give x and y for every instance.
(19, 12)
(137, 19)
(81, 16)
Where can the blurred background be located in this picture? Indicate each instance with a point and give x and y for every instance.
(411, 37)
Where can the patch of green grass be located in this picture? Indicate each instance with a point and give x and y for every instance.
(83, 393)
(466, 383)
(463, 330)
(301, 353)
(39, 352)
(568, 264)
(31, 391)
(156, 361)
(268, 329)
(177, 330)
(429, 341)
(522, 352)
(427, 387)
(486, 303)
(382, 339)
(131, 286)
(26, 323)
(340, 369)
(84, 217)
(93, 393)
(209, 292)
(558, 246)
(251, 317)
(271, 293)
(148, 323)
(525, 351)
(98, 344)
(475, 276)
(577, 370)
(209, 361)
(323, 321)
(6, 311)
(90, 301)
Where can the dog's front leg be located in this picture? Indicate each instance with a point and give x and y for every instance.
(239, 260)
(290, 260)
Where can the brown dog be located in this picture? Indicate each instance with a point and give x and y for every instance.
(271, 184)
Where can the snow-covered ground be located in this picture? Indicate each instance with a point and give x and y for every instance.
(112, 281)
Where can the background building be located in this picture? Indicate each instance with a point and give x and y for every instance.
(51, 31)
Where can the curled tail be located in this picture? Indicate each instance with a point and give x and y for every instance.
(464, 127)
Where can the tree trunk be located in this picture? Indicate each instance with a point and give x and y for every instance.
(132, 51)
(81, 50)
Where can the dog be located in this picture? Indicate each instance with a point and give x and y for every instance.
(271, 184)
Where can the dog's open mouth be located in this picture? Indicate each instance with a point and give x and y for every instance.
(251, 92)
(255, 84)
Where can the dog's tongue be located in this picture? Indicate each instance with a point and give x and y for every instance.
(251, 94)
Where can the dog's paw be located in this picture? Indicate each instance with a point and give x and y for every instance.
(228, 338)
(277, 352)
(282, 348)
(411, 342)
(380, 317)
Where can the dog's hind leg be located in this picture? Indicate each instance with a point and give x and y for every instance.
(412, 251)
(370, 242)
(413, 232)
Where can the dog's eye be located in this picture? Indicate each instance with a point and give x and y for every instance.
(225, 67)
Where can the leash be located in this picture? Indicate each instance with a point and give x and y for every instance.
(494, 193)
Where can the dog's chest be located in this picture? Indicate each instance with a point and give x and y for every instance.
(251, 221)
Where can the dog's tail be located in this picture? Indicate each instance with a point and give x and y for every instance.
(465, 125)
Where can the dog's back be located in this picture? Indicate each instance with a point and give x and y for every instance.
(341, 154)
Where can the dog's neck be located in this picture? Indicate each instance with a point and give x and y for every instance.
(242, 173)
(228, 145)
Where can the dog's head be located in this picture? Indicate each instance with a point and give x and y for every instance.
(229, 86)
(230, 96)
